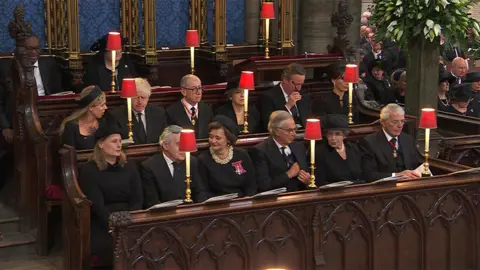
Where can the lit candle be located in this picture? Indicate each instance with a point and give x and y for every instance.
(312, 151)
(245, 96)
(427, 139)
(129, 108)
(350, 93)
(192, 57)
(187, 164)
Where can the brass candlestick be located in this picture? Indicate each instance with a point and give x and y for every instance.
(426, 170)
(188, 191)
(130, 124)
(267, 28)
(245, 113)
(113, 71)
(312, 165)
(350, 107)
(192, 60)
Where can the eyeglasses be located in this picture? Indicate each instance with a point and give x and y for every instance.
(289, 130)
(298, 86)
(397, 122)
(195, 90)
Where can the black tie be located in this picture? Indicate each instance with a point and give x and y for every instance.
(142, 135)
(393, 143)
(194, 116)
(294, 111)
(175, 168)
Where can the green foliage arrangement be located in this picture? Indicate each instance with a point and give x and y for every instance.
(402, 20)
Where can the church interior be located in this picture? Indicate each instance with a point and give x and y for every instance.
(239, 134)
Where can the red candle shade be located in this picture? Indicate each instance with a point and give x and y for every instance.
(268, 11)
(188, 142)
(313, 131)
(351, 74)
(247, 81)
(129, 88)
(428, 118)
(191, 39)
(114, 41)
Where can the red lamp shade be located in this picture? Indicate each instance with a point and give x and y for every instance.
(268, 12)
(428, 118)
(191, 39)
(188, 143)
(114, 41)
(313, 131)
(351, 74)
(247, 81)
(129, 88)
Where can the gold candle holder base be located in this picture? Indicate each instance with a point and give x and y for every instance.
(426, 169)
(350, 117)
(312, 184)
(267, 36)
(245, 123)
(188, 191)
(130, 130)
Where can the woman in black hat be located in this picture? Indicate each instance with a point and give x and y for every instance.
(78, 129)
(379, 87)
(474, 79)
(235, 109)
(443, 86)
(99, 70)
(337, 160)
(112, 184)
(399, 85)
(224, 168)
(460, 96)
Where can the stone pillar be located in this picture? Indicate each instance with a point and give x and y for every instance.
(314, 28)
(252, 21)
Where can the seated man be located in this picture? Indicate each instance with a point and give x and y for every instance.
(163, 174)
(286, 96)
(458, 71)
(190, 112)
(148, 120)
(279, 161)
(390, 152)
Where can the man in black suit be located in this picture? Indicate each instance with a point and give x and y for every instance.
(190, 112)
(458, 71)
(279, 161)
(148, 120)
(286, 96)
(390, 152)
(163, 174)
(378, 53)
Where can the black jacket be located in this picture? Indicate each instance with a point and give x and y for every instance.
(253, 116)
(98, 74)
(51, 75)
(176, 115)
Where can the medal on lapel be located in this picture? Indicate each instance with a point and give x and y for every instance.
(394, 152)
(194, 122)
(239, 170)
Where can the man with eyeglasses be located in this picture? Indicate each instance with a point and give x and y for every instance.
(190, 112)
(286, 96)
(390, 152)
(279, 160)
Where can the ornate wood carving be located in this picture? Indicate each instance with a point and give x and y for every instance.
(149, 24)
(129, 23)
(285, 26)
(342, 20)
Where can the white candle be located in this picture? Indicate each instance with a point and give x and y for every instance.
(129, 108)
(113, 61)
(427, 139)
(245, 96)
(192, 57)
(267, 27)
(350, 93)
(312, 151)
(187, 164)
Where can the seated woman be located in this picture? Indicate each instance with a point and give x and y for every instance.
(336, 102)
(336, 159)
(460, 97)
(235, 109)
(112, 185)
(226, 169)
(399, 84)
(78, 129)
(442, 90)
(378, 87)
(99, 71)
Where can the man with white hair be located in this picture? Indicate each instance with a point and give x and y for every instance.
(279, 161)
(163, 174)
(458, 72)
(148, 120)
(390, 152)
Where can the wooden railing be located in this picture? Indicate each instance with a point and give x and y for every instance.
(463, 150)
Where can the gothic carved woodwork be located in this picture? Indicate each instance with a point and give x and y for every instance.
(129, 23)
(463, 150)
(73, 30)
(149, 24)
(198, 19)
(285, 24)
(342, 21)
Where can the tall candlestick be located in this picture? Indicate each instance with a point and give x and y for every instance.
(427, 139)
(192, 59)
(187, 164)
(267, 35)
(113, 70)
(350, 93)
(245, 97)
(312, 151)
(245, 112)
(350, 101)
(129, 114)
(312, 184)
(188, 191)
(426, 170)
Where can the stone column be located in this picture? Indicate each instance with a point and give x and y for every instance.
(252, 21)
(314, 28)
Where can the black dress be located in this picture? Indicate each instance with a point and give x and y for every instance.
(331, 167)
(237, 176)
(111, 190)
(98, 74)
(331, 105)
(442, 104)
(470, 111)
(253, 116)
(71, 136)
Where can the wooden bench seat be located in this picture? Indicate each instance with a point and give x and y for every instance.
(463, 150)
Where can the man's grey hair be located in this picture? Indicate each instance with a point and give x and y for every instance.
(186, 79)
(293, 69)
(277, 118)
(166, 135)
(390, 108)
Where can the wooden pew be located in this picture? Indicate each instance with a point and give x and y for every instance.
(76, 207)
(463, 150)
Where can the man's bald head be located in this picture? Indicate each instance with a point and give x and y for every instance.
(459, 67)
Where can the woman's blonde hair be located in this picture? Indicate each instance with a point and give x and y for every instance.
(84, 110)
(99, 157)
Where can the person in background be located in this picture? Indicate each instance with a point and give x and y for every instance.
(378, 86)
(279, 161)
(148, 120)
(78, 129)
(442, 91)
(474, 79)
(458, 72)
(99, 71)
(336, 159)
(225, 168)
(287, 96)
(112, 184)
(460, 97)
(190, 112)
(399, 84)
(235, 110)
(390, 152)
(163, 174)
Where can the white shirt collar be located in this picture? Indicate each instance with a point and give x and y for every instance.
(188, 105)
(167, 159)
(35, 64)
(388, 136)
(287, 149)
(284, 94)
(135, 112)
